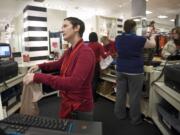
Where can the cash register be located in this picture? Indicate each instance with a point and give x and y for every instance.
(8, 68)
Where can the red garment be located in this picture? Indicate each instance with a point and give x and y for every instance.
(98, 50)
(110, 49)
(76, 84)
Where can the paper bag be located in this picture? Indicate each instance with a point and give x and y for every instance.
(104, 63)
(30, 95)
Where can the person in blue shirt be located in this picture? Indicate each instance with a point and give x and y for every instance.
(130, 74)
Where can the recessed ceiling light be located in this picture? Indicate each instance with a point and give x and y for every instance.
(172, 20)
(120, 5)
(148, 12)
(147, 0)
(162, 16)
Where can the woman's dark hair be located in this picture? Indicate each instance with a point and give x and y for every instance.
(178, 30)
(75, 22)
(129, 26)
(93, 37)
(173, 29)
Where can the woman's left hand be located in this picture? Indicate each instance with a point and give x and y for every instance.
(28, 78)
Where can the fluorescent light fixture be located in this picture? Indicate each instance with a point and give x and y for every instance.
(162, 16)
(39, 0)
(137, 20)
(148, 12)
(172, 20)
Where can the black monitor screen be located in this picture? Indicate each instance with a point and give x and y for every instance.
(5, 50)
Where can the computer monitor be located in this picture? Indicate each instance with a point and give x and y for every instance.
(5, 50)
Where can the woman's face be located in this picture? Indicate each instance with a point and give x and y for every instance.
(174, 34)
(68, 30)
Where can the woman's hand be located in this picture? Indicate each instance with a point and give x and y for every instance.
(28, 78)
(33, 69)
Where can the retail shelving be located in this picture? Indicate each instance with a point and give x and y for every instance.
(4, 112)
(109, 77)
(158, 93)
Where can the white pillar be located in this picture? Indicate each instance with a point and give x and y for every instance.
(35, 32)
(177, 20)
(138, 8)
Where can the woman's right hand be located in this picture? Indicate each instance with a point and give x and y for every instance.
(33, 69)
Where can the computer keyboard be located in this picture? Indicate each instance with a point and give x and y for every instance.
(23, 122)
(18, 124)
(3, 62)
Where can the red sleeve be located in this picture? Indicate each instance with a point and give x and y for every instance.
(102, 52)
(50, 66)
(82, 69)
(113, 48)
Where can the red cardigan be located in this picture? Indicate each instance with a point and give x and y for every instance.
(77, 81)
(98, 50)
(110, 48)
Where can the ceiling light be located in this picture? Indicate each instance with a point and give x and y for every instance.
(137, 20)
(147, 0)
(120, 5)
(148, 12)
(162, 16)
(172, 20)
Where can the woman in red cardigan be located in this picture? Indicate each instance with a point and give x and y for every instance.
(99, 54)
(76, 72)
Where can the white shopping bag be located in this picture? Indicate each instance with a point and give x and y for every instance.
(104, 63)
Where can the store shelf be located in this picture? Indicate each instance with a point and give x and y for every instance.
(158, 93)
(14, 109)
(160, 126)
(5, 86)
(168, 94)
(108, 96)
(108, 79)
(109, 75)
(111, 78)
(11, 82)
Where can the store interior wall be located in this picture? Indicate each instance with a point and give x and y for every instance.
(54, 21)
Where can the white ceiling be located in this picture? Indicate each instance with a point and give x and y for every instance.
(114, 8)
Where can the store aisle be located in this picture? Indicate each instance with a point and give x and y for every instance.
(103, 112)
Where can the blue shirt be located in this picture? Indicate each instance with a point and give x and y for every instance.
(130, 53)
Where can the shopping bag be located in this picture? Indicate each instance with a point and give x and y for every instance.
(104, 63)
(31, 94)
